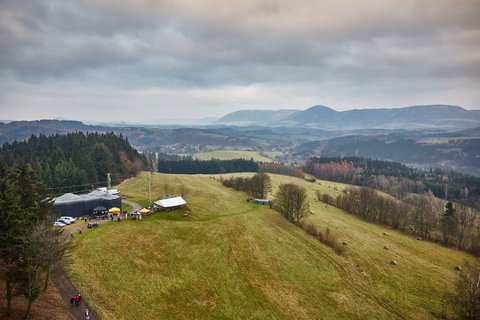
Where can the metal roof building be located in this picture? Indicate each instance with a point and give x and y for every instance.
(75, 205)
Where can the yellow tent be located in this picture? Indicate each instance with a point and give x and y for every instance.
(114, 210)
(144, 210)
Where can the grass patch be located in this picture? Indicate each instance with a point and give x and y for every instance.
(235, 260)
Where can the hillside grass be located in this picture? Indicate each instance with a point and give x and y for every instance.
(232, 154)
(234, 260)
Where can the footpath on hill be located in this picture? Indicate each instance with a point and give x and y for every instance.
(66, 288)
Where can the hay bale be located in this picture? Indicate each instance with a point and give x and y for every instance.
(385, 234)
(386, 248)
(345, 243)
(458, 268)
(393, 262)
(419, 238)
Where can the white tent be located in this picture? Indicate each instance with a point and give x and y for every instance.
(171, 202)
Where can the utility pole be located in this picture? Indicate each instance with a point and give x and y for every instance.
(149, 188)
(109, 181)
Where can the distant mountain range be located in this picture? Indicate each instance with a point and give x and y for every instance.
(415, 117)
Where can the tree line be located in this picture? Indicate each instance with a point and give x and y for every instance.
(280, 168)
(257, 186)
(30, 247)
(76, 161)
(188, 165)
(397, 179)
(422, 215)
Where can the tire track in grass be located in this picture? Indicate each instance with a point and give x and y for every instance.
(343, 273)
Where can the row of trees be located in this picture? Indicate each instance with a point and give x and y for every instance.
(188, 165)
(397, 179)
(75, 161)
(29, 245)
(279, 168)
(422, 215)
(258, 186)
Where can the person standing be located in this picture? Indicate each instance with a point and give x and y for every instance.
(87, 314)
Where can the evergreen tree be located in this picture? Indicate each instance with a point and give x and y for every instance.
(10, 220)
(24, 205)
(449, 224)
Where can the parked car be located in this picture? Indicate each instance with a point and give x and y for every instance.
(69, 219)
(59, 224)
(66, 222)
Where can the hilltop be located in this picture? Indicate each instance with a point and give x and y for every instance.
(234, 259)
(413, 117)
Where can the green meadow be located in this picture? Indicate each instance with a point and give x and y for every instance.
(230, 259)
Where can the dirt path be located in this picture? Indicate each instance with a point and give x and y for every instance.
(67, 288)
(135, 206)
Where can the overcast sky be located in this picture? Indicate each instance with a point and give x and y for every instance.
(143, 60)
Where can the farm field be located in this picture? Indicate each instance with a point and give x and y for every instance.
(232, 154)
(234, 260)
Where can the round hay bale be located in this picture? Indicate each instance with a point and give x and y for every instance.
(386, 248)
(393, 262)
(419, 238)
(458, 268)
(345, 243)
(385, 234)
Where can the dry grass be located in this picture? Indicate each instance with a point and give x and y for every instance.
(234, 260)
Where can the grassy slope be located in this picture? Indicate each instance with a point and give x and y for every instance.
(231, 154)
(231, 259)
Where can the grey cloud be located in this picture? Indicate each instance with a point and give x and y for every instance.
(341, 45)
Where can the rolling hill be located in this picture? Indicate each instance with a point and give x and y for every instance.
(248, 117)
(231, 259)
(414, 117)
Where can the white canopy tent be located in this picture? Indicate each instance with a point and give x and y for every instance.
(170, 202)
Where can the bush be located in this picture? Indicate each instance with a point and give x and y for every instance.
(326, 237)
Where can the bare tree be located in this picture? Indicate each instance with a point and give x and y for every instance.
(166, 187)
(466, 218)
(468, 292)
(423, 214)
(290, 201)
(42, 250)
(260, 185)
(182, 189)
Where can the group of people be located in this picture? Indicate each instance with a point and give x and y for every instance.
(76, 300)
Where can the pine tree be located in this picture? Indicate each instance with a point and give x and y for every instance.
(9, 220)
(449, 224)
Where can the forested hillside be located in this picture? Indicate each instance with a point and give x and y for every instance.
(76, 161)
(396, 179)
(188, 165)
(460, 154)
